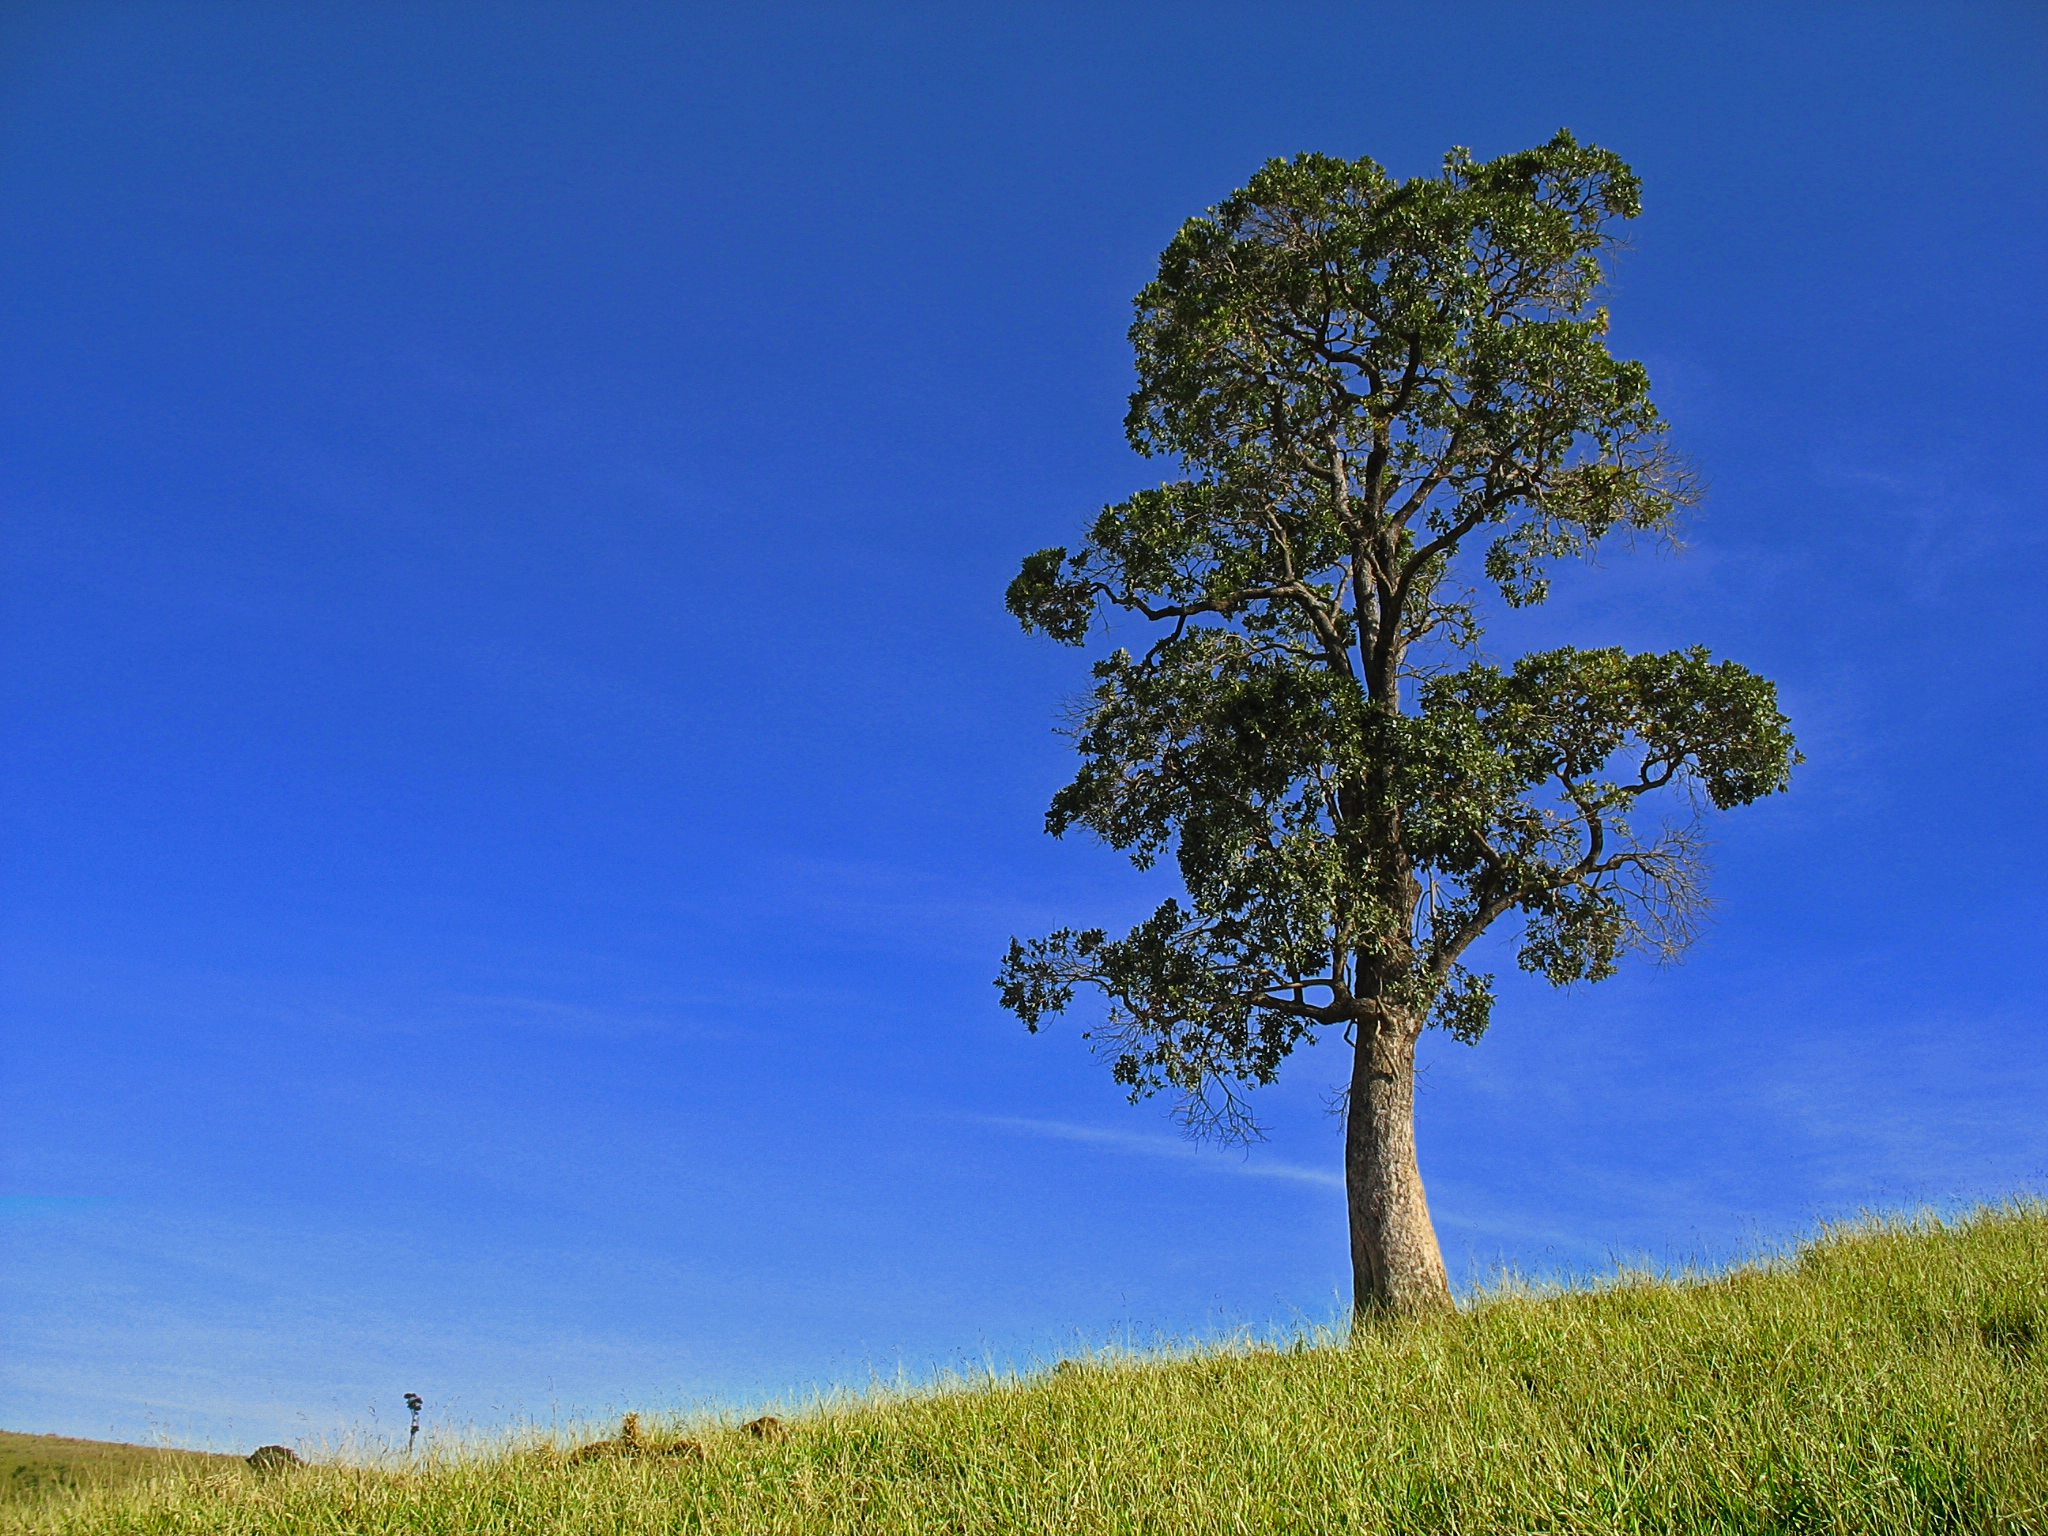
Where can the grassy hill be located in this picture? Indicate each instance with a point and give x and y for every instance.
(35, 1467)
(1883, 1380)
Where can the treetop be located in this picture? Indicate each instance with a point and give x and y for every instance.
(1356, 373)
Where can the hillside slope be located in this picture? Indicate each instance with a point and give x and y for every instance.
(1885, 1380)
(37, 1466)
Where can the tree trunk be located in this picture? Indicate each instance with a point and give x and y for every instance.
(1396, 1266)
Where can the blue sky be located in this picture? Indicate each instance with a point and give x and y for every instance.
(518, 778)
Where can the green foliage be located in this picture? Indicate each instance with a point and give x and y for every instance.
(1369, 385)
(1890, 1380)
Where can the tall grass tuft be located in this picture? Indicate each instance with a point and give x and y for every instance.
(1887, 1378)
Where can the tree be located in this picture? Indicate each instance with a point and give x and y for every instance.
(1368, 386)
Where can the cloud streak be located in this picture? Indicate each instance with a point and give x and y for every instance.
(1165, 1146)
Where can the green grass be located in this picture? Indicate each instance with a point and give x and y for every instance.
(38, 1467)
(1890, 1378)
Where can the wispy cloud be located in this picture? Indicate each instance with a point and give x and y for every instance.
(1244, 1164)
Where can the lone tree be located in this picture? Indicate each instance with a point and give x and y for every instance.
(1368, 385)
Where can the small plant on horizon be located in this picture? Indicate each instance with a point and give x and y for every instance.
(414, 1403)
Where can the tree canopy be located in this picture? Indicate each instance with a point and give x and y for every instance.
(1377, 396)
